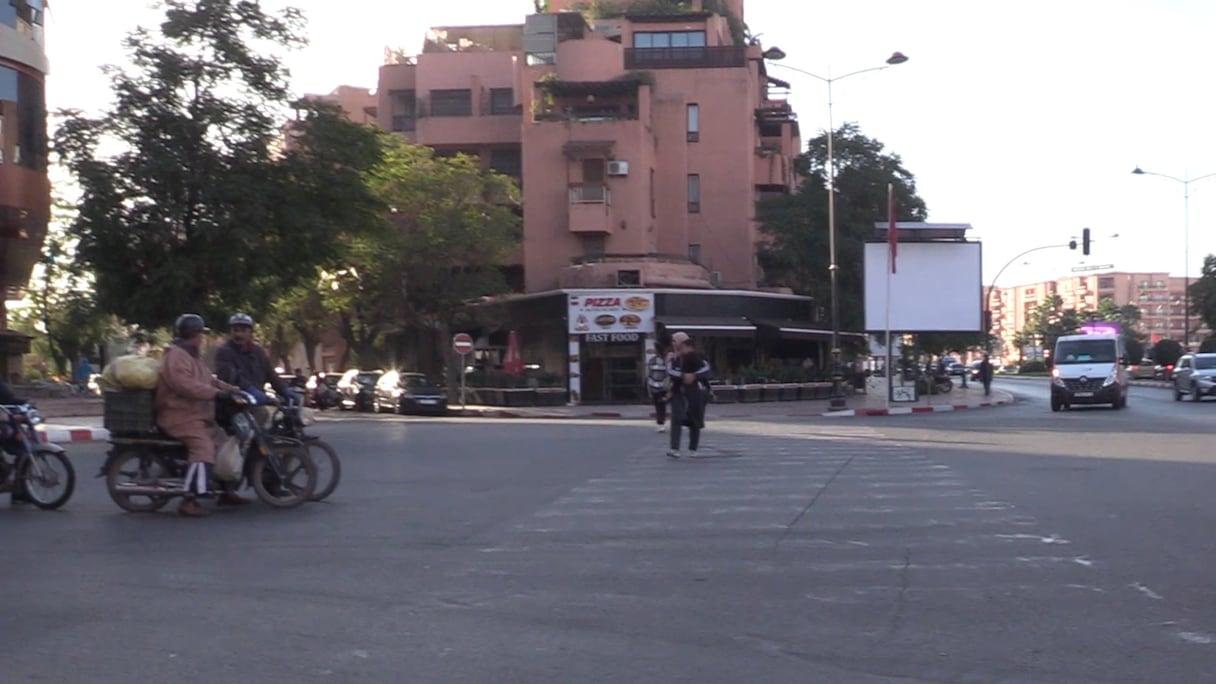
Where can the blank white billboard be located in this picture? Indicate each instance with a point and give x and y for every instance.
(936, 287)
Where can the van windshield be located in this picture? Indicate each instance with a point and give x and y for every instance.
(1085, 351)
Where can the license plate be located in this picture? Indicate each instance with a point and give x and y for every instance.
(1083, 394)
(428, 402)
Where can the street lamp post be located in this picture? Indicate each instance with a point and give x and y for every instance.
(1186, 247)
(836, 401)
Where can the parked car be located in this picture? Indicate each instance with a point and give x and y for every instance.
(321, 390)
(1145, 370)
(953, 366)
(1165, 372)
(404, 392)
(973, 370)
(1195, 375)
(356, 389)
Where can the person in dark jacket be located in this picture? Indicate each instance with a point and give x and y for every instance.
(244, 363)
(689, 373)
(986, 374)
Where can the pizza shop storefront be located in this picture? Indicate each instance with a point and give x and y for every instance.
(611, 336)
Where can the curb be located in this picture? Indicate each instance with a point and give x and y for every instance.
(850, 413)
(908, 410)
(66, 435)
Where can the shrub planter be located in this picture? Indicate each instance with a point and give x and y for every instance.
(518, 397)
(751, 393)
(726, 394)
(550, 396)
(787, 391)
(772, 392)
(806, 391)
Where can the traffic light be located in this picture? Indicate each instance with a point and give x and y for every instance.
(1072, 244)
(1085, 242)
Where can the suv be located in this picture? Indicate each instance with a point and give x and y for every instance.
(1195, 374)
(1089, 369)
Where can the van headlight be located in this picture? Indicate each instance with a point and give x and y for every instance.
(1112, 378)
(1055, 378)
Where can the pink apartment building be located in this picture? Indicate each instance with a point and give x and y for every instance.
(1159, 296)
(641, 143)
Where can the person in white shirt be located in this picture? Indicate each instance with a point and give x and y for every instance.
(658, 384)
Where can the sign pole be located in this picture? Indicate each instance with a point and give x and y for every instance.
(462, 375)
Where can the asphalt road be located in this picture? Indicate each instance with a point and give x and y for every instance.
(1002, 545)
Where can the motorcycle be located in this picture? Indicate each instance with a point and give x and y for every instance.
(39, 472)
(289, 420)
(144, 472)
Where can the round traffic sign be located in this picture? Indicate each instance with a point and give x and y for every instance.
(462, 343)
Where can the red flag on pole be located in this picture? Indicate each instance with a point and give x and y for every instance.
(892, 230)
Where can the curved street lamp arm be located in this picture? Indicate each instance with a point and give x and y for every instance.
(833, 79)
(1184, 181)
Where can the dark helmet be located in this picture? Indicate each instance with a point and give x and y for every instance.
(240, 319)
(189, 325)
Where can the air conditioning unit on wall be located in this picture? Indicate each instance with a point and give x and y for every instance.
(618, 168)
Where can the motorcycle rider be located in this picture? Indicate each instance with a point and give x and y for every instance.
(245, 363)
(8, 398)
(185, 407)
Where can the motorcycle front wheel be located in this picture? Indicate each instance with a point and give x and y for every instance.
(48, 479)
(298, 481)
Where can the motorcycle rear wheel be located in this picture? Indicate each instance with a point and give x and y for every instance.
(300, 477)
(146, 470)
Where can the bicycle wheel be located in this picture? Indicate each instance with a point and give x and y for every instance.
(48, 478)
(329, 468)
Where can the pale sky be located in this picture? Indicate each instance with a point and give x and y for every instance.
(1023, 119)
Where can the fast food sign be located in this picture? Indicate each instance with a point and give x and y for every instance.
(612, 311)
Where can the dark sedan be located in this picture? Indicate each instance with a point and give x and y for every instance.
(403, 392)
(356, 389)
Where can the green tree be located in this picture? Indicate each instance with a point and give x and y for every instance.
(61, 312)
(794, 251)
(190, 202)
(1203, 293)
(1050, 320)
(449, 228)
(943, 343)
(1167, 352)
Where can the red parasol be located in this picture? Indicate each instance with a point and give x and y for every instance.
(513, 363)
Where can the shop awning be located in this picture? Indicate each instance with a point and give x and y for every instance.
(723, 326)
(804, 330)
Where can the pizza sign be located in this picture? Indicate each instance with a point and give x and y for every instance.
(610, 312)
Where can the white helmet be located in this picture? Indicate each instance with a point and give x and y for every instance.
(240, 319)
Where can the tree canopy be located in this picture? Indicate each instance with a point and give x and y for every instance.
(1203, 293)
(189, 199)
(794, 248)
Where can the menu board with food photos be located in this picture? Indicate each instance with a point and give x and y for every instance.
(611, 311)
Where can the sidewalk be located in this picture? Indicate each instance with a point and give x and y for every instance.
(873, 403)
(77, 420)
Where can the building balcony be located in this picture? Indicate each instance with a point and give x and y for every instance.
(686, 57)
(634, 270)
(590, 209)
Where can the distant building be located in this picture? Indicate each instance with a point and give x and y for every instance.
(25, 196)
(1158, 295)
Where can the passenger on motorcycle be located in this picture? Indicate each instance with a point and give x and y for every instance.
(244, 363)
(185, 407)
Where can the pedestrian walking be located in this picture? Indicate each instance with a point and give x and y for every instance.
(986, 374)
(689, 373)
(658, 384)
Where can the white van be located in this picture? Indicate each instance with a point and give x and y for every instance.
(1089, 369)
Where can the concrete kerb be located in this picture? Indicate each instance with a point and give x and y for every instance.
(66, 433)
